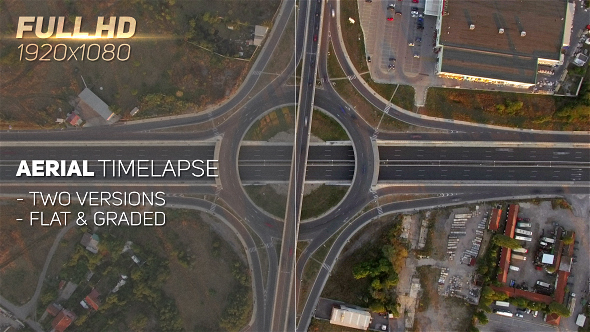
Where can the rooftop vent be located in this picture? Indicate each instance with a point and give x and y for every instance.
(500, 31)
(523, 33)
(471, 26)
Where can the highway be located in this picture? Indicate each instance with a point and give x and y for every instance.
(461, 163)
(283, 313)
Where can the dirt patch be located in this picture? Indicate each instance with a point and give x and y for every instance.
(275, 122)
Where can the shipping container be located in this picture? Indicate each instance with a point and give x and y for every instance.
(523, 238)
(524, 232)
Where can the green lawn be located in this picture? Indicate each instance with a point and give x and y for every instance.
(321, 200)
(326, 128)
(267, 199)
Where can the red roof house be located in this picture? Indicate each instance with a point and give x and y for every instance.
(92, 299)
(63, 320)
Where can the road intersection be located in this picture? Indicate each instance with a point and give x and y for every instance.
(369, 164)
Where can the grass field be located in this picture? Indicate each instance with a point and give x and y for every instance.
(184, 78)
(266, 198)
(327, 128)
(23, 248)
(271, 124)
(403, 97)
(353, 35)
(334, 68)
(321, 200)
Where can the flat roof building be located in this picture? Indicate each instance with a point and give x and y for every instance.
(353, 318)
(499, 42)
(89, 98)
(495, 219)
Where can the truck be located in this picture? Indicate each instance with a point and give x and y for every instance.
(521, 250)
(523, 232)
(503, 313)
(514, 268)
(502, 304)
(519, 257)
(548, 240)
(572, 304)
(523, 238)
(542, 284)
(523, 224)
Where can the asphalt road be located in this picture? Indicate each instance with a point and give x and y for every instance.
(231, 121)
(283, 317)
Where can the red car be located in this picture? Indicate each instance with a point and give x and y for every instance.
(315, 38)
(415, 1)
(390, 18)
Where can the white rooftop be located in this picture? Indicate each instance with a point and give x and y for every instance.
(357, 319)
(96, 104)
(548, 259)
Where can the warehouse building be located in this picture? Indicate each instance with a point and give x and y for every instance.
(502, 42)
(353, 318)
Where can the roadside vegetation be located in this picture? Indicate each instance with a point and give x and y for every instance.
(369, 275)
(512, 109)
(367, 111)
(155, 297)
(279, 120)
(353, 35)
(400, 95)
(267, 198)
(327, 128)
(321, 200)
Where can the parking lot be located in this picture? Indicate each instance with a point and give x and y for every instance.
(499, 323)
(400, 39)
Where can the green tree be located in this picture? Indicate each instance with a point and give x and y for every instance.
(377, 307)
(363, 270)
(569, 239)
(506, 241)
(481, 317)
(560, 309)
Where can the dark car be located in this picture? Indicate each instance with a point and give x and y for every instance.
(315, 38)
(310, 83)
(368, 59)
(397, 12)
